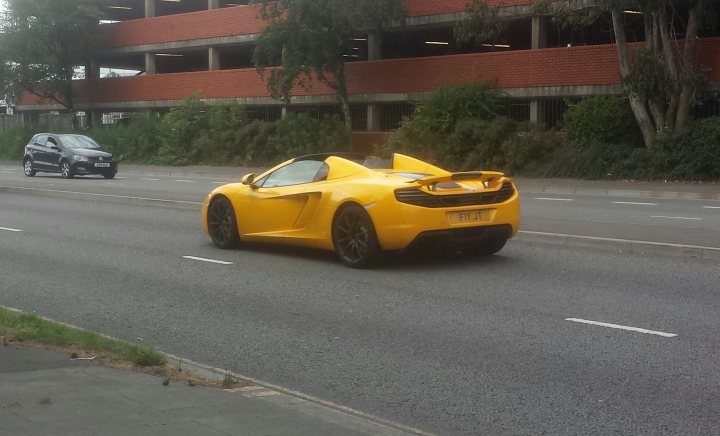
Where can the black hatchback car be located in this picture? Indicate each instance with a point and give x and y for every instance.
(68, 154)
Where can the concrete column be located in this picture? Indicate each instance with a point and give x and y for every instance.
(283, 112)
(213, 59)
(374, 43)
(150, 64)
(213, 4)
(539, 32)
(373, 117)
(94, 118)
(537, 111)
(92, 70)
(150, 8)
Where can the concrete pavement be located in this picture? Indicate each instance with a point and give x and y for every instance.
(48, 393)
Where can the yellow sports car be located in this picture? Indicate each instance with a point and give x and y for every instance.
(361, 207)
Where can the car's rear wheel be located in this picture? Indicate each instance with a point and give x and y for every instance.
(354, 237)
(66, 170)
(489, 246)
(222, 223)
(28, 168)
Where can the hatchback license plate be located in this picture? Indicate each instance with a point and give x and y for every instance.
(467, 216)
(102, 165)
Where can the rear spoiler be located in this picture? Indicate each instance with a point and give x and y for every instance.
(482, 176)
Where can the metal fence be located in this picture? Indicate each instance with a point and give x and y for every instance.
(10, 122)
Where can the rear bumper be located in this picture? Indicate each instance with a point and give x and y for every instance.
(398, 225)
(458, 238)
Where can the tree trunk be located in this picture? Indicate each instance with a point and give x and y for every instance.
(688, 68)
(642, 116)
(343, 97)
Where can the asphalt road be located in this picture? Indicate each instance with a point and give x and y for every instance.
(661, 220)
(448, 344)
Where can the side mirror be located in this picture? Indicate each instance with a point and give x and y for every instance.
(248, 179)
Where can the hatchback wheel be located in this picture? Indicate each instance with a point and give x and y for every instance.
(109, 175)
(222, 223)
(354, 237)
(66, 170)
(28, 168)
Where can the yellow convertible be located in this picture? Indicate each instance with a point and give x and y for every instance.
(362, 207)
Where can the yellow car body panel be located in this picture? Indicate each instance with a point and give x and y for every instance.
(303, 214)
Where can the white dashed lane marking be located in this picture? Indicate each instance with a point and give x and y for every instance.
(554, 199)
(203, 259)
(676, 218)
(149, 180)
(634, 203)
(185, 181)
(622, 327)
(711, 207)
(7, 229)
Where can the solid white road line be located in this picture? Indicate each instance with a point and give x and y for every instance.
(202, 259)
(628, 241)
(554, 199)
(10, 230)
(92, 194)
(634, 203)
(676, 218)
(622, 327)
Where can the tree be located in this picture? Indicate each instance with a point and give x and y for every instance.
(661, 78)
(43, 42)
(312, 39)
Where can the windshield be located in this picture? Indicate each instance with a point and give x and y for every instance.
(78, 141)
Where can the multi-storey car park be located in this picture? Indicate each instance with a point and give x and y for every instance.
(178, 48)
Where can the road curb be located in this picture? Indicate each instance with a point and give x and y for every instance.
(622, 245)
(308, 404)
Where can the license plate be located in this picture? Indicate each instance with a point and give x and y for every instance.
(102, 165)
(468, 216)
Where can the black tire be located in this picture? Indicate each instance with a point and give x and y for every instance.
(109, 175)
(66, 170)
(354, 237)
(489, 246)
(28, 168)
(222, 223)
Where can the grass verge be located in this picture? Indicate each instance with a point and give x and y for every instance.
(24, 327)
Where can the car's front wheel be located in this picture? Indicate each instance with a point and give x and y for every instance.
(109, 174)
(354, 237)
(28, 168)
(66, 170)
(222, 223)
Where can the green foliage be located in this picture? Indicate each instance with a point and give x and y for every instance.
(24, 327)
(531, 152)
(479, 25)
(312, 39)
(133, 141)
(601, 119)
(44, 41)
(299, 134)
(13, 141)
(458, 126)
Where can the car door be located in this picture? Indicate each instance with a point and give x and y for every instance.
(54, 152)
(279, 203)
(39, 152)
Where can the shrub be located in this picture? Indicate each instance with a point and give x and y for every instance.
(531, 153)
(136, 141)
(601, 119)
(300, 134)
(457, 126)
(13, 141)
